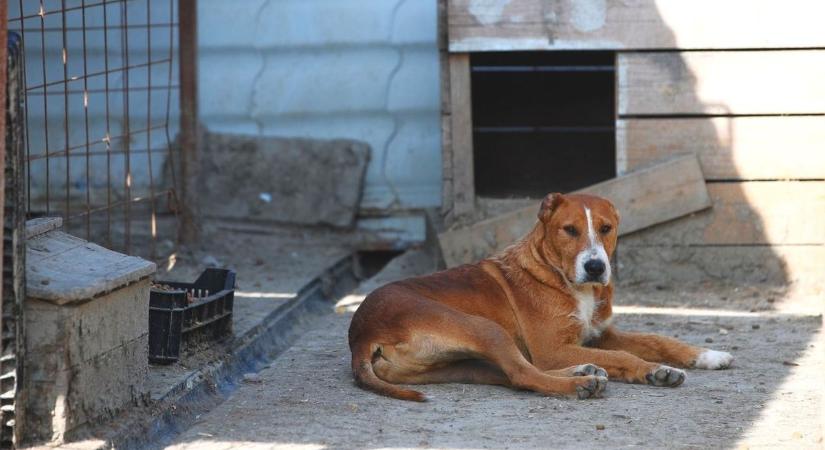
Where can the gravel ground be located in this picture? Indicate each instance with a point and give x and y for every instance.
(771, 398)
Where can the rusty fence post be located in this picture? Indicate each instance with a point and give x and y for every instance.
(4, 31)
(189, 129)
(6, 441)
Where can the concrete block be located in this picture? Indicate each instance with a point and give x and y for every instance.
(415, 22)
(324, 81)
(61, 397)
(92, 328)
(84, 361)
(415, 85)
(291, 23)
(86, 318)
(283, 180)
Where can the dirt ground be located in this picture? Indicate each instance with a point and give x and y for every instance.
(772, 397)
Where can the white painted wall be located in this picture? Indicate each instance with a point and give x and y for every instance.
(360, 69)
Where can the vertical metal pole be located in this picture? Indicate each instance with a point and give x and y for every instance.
(189, 132)
(4, 30)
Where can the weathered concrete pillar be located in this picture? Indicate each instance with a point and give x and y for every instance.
(87, 331)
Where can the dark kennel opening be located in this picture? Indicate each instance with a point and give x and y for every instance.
(542, 121)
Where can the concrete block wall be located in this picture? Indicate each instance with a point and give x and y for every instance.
(87, 336)
(84, 362)
(365, 70)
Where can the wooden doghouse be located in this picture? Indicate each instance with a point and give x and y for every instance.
(546, 95)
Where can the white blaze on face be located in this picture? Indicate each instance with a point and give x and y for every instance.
(593, 250)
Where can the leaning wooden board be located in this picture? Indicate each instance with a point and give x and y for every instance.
(726, 83)
(484, 25)
(644, 198)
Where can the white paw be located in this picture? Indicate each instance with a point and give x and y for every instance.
(712, 359)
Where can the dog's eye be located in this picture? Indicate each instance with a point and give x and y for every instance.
(606, 228)
(571, 230)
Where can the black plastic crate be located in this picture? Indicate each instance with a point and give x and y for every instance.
(189, 313)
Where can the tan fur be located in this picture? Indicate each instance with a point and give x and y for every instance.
(509, 320)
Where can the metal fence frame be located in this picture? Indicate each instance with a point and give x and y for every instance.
(182, 190)
(180, 193)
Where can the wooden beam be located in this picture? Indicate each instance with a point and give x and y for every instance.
(644, 198)
(446, 120)
(721, 83)
(461, 135)
(729, 148)
(483, 25)
(748, 213)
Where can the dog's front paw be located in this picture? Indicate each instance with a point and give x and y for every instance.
(589, 369)
(590, 387)
(712, 359)
(666, 376)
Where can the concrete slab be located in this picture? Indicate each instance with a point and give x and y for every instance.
(63, 269)
(303, 181)
(42, 225)
(769, 399)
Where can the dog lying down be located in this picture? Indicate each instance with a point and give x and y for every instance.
(536, 316)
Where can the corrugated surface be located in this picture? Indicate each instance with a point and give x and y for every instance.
(364, 70)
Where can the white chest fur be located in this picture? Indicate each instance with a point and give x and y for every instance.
(586, 304)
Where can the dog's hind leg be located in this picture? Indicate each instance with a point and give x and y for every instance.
(444, 336)
(470, 371)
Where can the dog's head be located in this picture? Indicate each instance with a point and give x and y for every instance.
(579, 236)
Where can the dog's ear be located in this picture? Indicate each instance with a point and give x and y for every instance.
(549, 204)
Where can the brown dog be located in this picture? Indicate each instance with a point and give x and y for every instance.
(536, 316)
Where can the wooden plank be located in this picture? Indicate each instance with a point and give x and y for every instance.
(446, 120)
(644, 198)
(484, 25)
(801, 265)
(753, 82)
(729, 148)
(774, 212)
(461, 133)
(446, 168)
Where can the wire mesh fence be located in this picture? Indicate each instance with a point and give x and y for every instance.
(101, 113)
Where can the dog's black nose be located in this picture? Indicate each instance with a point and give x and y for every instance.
(594, 267)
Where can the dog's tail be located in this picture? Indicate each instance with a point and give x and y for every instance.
(366, 378)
